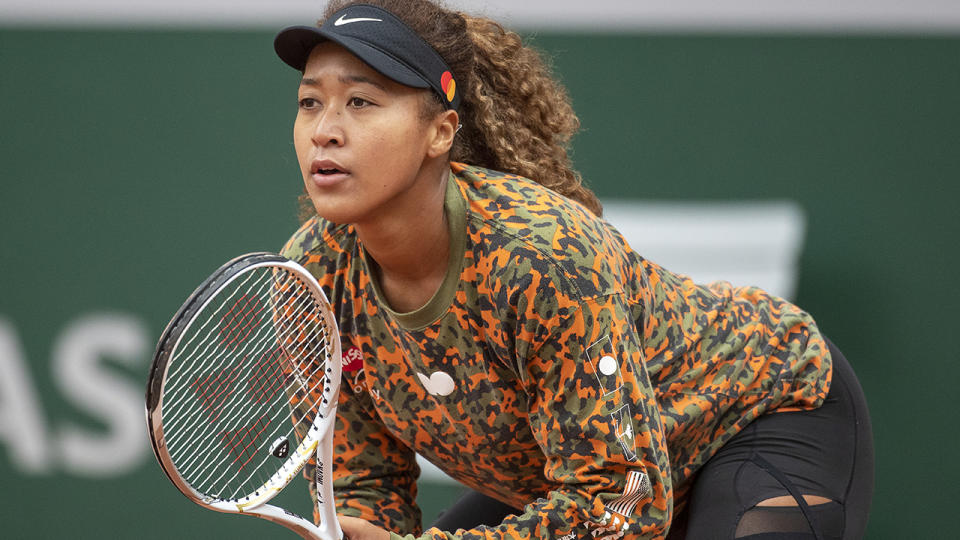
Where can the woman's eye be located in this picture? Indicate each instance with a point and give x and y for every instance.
(357, 102)
(308, 103)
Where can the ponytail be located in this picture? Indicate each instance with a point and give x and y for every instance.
(519, 117)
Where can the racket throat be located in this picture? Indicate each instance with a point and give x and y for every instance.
(323, 480)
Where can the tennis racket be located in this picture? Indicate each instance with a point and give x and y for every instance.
(243, 391)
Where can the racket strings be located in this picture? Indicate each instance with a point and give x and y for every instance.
(238, 444)
(238, 452)
(297, 425)
(228, 302)
(248, 364)
(238, 434)
(232, 412)
(241, 442)
(208, 355)
(266, 382)
(238, 410)
(175, 438)
(212, 388)
(237, 323)
(191, 343)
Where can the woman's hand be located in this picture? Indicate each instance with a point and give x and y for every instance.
(361, 529)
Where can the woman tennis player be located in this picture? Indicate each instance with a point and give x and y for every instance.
(494, 323)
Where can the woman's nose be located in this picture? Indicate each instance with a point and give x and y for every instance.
(329, 130)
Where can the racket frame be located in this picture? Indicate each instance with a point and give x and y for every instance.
(318, 440)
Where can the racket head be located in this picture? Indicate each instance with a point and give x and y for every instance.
(248, 375)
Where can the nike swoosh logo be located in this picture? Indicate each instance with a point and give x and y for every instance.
(344, 20)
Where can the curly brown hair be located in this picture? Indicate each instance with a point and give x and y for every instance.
(516, 117)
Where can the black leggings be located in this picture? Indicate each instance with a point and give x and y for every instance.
(826, 452)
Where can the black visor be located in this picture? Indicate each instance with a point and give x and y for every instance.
(381, 40)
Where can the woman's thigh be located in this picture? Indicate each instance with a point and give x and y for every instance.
(785, 458)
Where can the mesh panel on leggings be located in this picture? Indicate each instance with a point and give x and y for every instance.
(790, 519)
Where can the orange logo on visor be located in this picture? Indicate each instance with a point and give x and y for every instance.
(449, 85)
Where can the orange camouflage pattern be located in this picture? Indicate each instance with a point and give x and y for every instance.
(555, 370)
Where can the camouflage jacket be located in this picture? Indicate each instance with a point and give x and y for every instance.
(555, 369)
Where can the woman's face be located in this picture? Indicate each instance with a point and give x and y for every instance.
(360, 138)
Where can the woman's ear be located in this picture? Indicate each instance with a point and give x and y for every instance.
(445, 126)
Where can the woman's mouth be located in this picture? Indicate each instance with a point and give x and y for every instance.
(326, 173)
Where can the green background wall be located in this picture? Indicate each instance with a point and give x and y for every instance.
(133, 163)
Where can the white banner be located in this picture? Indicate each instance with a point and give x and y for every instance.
(830, 16)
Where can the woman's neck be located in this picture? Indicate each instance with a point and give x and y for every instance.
(411, 248)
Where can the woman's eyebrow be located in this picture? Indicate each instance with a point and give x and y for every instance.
(344, 79)
(347, 79)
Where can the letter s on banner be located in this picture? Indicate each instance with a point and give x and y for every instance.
(83, 377)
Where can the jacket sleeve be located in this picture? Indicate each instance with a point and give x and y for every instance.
(595, 417)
